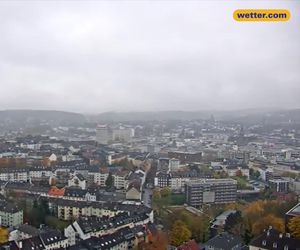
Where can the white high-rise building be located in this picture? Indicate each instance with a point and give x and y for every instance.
(174, 164)
(107, 134)
(122, 134)
(104, 134)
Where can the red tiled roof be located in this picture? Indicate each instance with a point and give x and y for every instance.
(54, 191)
(190, 245)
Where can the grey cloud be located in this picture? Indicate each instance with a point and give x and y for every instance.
(132, 56)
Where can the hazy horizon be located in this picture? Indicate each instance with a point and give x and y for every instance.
(212, 111)
(94, 57)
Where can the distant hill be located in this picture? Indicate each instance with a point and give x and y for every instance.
(266, 117)
(150, 116)
(22, 118)
(250, 116)
(31, 118)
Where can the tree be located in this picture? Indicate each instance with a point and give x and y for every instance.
(288, 174)
(220, 175)
(165, 192)
(294, 227)
(180, 233)
(241, 182)
(265, 222)
(165, 196)
(156, 195)
(256, 175)
(44, 207)
(125, 163)
(109, 183)
(157, 201)
(159, 241)
(38, 213)
(247, 236)
(76, 182)
(21, 203)
(253, 211)
(54, 222)
(3, 235)
(232, 221)
(261, 214)
(199, 226)
(239, 173)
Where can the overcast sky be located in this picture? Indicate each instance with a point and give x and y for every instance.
(146, 56)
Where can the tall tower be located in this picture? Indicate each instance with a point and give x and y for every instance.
(104, 134)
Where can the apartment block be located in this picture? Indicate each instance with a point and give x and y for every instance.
(207, 191)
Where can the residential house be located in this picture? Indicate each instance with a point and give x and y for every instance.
(78, 181)
(272, 239)
(10, 215)
(134, 190)
(224, 241)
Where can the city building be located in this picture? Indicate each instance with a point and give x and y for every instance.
(99, 177)
(103, 134)
(237, 170)
(186, 157)
(272, 239)
(279, 185)
(120, 179)
(205, 191)
(174, 164)
(294, 185)
(166, 164)
(293, 212)
(14, 174)
(134, 190)
(10, 215)
(122, 134)
(224, 241)
(87, 227)
(77, 181)
(162, 179)
(220, 221)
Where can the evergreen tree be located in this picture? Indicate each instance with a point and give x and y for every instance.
(109, 183)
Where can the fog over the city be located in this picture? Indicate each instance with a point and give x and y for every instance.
(101, 56)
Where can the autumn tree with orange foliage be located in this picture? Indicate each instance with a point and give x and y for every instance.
(159, 241)
(261, 214)
(180, 233)
(3, 235)
(254, 211)
(266, 221)
(294, 227)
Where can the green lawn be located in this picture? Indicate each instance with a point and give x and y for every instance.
(177, 199)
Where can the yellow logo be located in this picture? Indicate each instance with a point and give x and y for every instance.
(262, 15)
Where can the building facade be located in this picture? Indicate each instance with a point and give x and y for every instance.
(206, 191)
(10, 215)
(103, 134)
